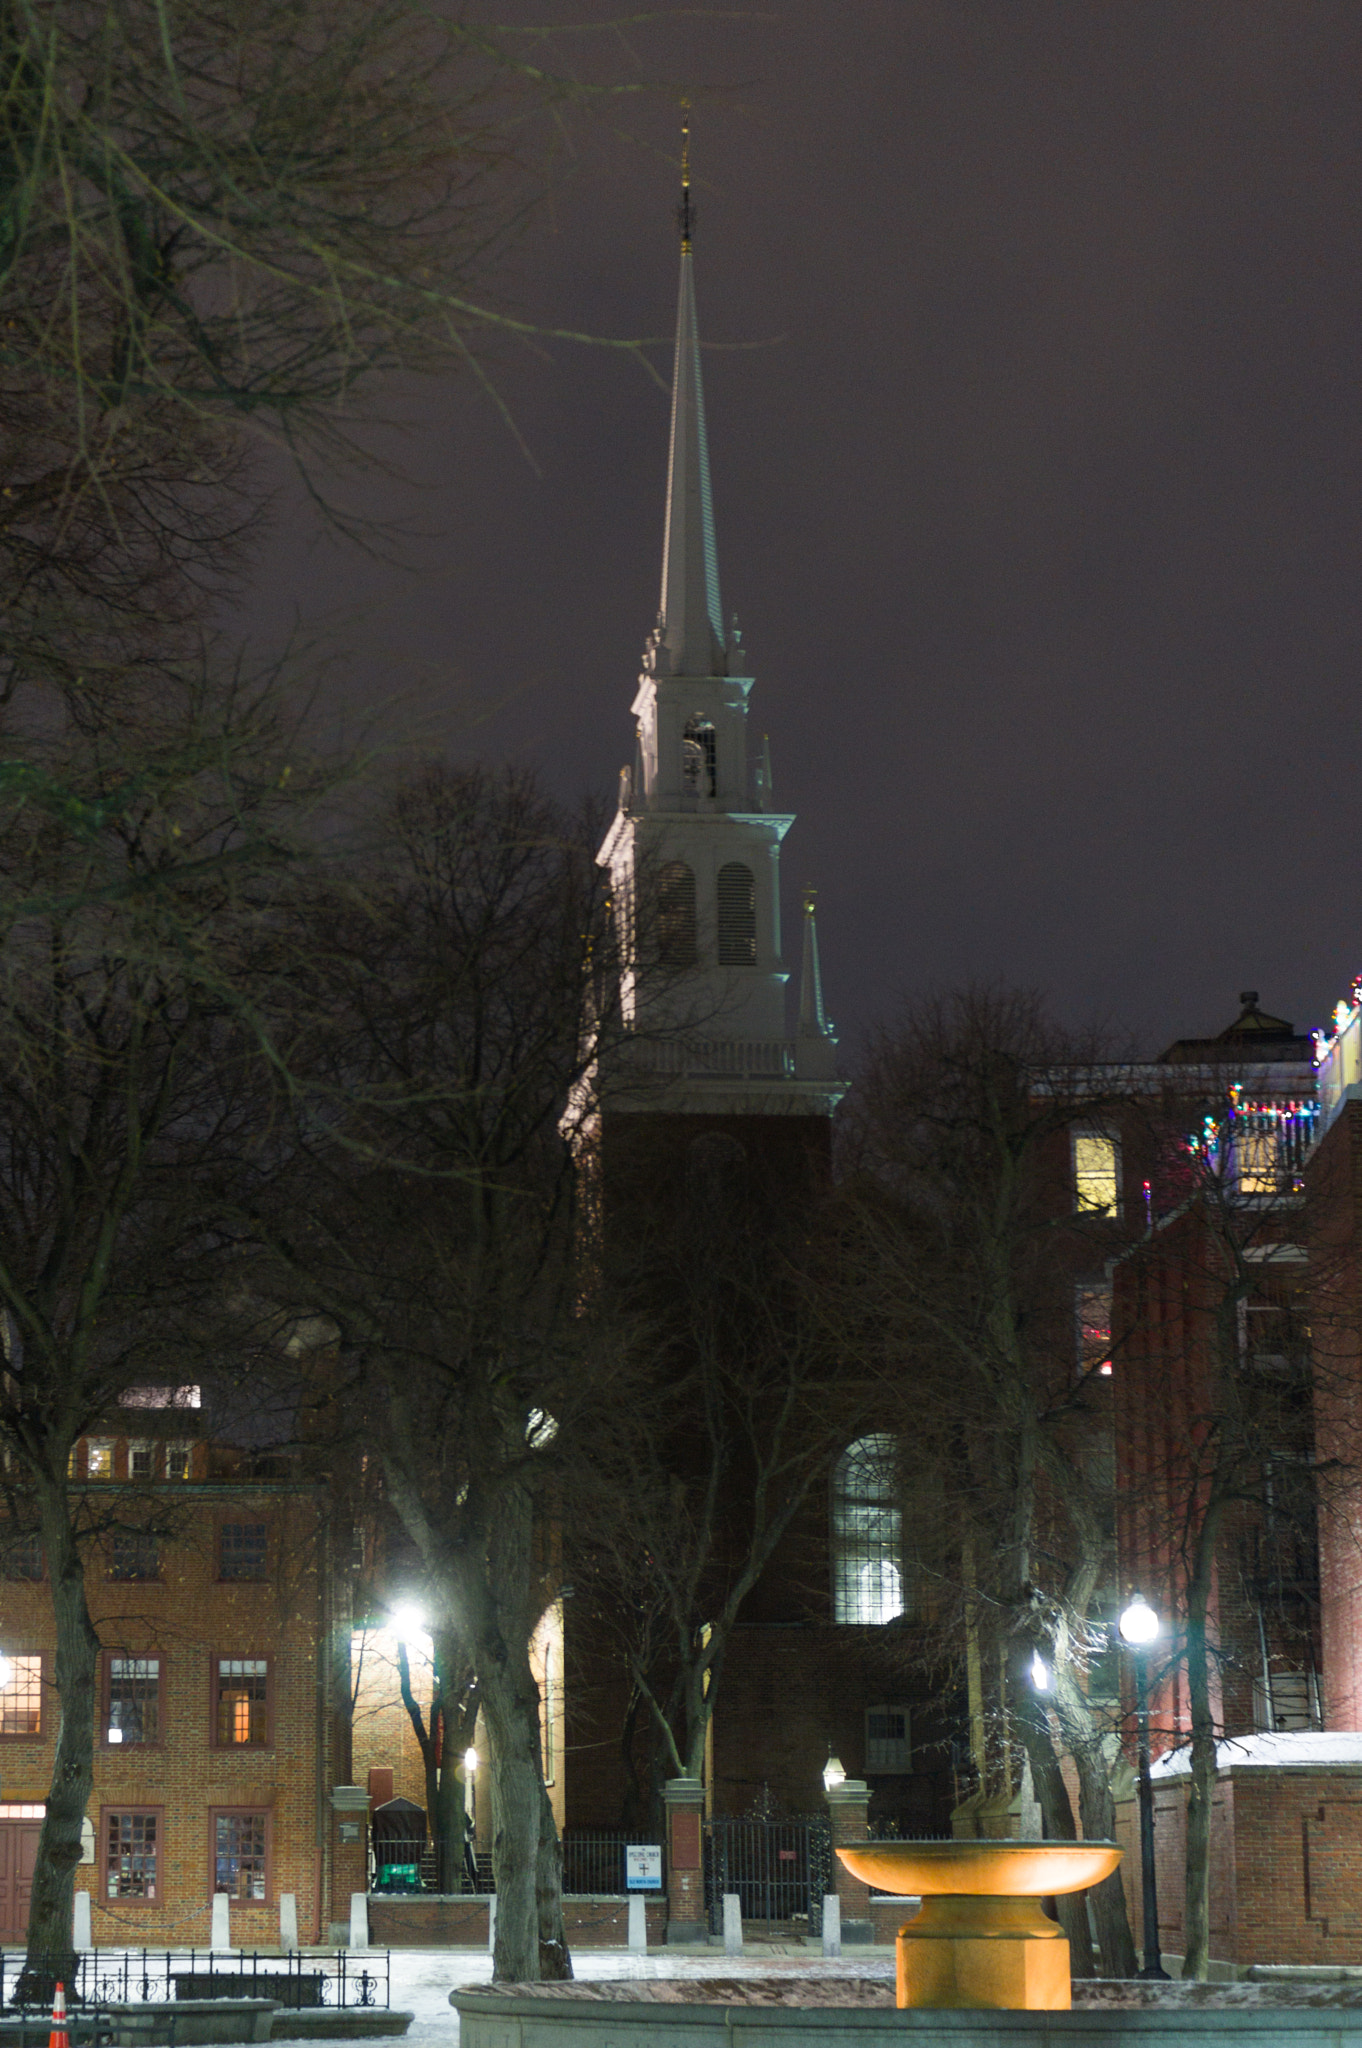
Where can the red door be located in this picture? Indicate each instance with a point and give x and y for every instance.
(18, 1854)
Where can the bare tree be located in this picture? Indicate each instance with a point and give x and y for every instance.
(137, 891)
(448, 1006)
(961, 1290)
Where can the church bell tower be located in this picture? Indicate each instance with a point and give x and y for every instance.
(694, 850)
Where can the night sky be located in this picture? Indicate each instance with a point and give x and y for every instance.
(1038, 504)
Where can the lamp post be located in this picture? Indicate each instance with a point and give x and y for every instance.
(1139, 1626)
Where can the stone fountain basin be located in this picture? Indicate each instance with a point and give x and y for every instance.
(1008, 1870)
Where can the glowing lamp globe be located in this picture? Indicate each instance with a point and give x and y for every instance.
(1139, 1624)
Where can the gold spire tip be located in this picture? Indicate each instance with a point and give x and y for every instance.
(810, 900)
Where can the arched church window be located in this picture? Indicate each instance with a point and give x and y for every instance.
(737, 916)
(700, 757)
(867, 1533)
(676, 915)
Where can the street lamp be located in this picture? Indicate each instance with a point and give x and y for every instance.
(833, 1774)
(1139, 1626)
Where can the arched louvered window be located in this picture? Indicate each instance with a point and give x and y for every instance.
(676, 915)
(737, 916)
(700, 757)
(867, 1533)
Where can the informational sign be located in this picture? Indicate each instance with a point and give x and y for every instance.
(643, 1867)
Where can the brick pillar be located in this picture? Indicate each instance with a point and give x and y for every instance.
(349, 1855)
(847, 1804)
(685, 1802)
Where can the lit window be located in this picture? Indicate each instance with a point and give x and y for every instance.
(161, 1397)
(134, 1701)
(241, 1855)
(130, 1846)
(99, 1458)
(867, 1533)
(179, 1460)
(241, 1714)
(1255, 1154)
(243, 1550)
(21, 1700)
(1096, 1173)
(1092, 1317)
(737, 916)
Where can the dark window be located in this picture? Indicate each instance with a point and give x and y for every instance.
(134, 1701)
(131, 1843)
(21, 1557)
(133, 1555)
(241, 1855)
(676, 915)
(700, 757)
(737, 916)
(244, 1550)
(241, 1688)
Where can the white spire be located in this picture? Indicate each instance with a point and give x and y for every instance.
(690, 622)
(813, 1022)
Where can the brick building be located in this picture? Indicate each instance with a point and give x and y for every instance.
(213, 1581)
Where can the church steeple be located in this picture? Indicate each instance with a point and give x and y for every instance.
(690, 621)
(694, 852)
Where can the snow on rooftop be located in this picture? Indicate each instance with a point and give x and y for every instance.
(1302, 1749)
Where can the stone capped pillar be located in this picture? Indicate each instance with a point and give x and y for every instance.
(349, 1855)
(847, 1807)
(685, 1803)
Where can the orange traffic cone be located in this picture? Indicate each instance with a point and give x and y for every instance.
(58, 2037)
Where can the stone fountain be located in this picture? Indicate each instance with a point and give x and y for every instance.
(981, 1938)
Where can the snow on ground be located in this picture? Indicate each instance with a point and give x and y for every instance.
(422, 1979)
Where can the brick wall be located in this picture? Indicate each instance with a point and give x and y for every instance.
(461, 1922)
(186, 1618)
(1335, 1193)
(1286, 1864)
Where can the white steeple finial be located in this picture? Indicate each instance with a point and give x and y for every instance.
(690, 637)
(813, 1022)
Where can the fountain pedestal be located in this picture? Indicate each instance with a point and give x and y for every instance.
(981, 1938)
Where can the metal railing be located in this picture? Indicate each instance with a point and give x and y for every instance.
(105, 1977)
(593, 1860)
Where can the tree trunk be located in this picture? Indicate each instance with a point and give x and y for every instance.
(1097, 1809)
(555, 1963)
(50, 1955)
(1197, 1894)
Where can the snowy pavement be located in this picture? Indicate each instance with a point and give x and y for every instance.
(422, 1979)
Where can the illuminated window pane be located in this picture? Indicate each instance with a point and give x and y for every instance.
(99, 1458)
(1255, 1155)
(179, 1461)
(867, 1534)
(1095, 1176)
(1092, 1316)
(21, 1701)
(134, 1700)
(130, 1855)
(239, 1865)
(242, 1702)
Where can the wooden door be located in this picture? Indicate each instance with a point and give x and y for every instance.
(18, 1854)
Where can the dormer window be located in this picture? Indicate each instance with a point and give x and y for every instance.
(700, 758)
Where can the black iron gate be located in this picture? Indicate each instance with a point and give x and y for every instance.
(779, 1869)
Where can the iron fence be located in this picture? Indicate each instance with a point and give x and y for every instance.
(593, 1859)
(105, 1977)
(779, 1868)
